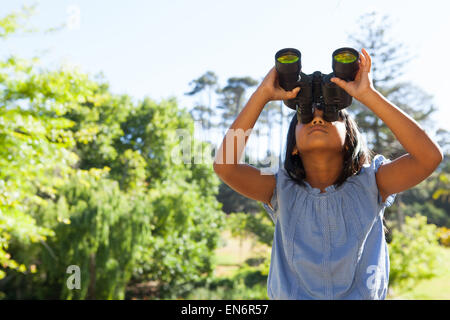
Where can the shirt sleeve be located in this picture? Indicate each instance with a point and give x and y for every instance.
(371, 183)
(272, 208)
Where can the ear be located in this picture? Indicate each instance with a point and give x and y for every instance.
(295, 151)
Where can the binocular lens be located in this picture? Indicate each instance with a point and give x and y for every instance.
(345, 63)
(345, 57)
(288, 65)
(288, 58)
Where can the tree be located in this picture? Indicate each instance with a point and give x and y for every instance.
(231, 98)
(389, 57)
(201, 111)
(35, 154)
(90, 178)
(98, 228)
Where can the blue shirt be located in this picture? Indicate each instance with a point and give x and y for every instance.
(329, 245)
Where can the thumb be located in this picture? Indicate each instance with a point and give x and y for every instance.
(293, 93)
(341, 83)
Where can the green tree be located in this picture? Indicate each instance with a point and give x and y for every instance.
(79, 162)
(389, 58)
(201, 111)
(231, 98)
(97, 228)
(35, 154)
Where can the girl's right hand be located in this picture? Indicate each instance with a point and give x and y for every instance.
(271, 89)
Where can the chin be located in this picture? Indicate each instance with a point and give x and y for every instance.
(322, 147)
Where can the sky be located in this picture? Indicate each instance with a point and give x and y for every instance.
(156, 48)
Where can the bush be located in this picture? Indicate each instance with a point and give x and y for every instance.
(258, 224)
(413, 252)
(444, 236)
(248, 282)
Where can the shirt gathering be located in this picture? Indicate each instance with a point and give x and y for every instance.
(329, 245)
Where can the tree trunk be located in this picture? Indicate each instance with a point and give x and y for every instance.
(91, 289)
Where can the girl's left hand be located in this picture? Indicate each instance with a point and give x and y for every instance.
(362, 84)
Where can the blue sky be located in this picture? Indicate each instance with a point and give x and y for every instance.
(156, 48)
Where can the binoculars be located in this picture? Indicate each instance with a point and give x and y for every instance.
(316, 89)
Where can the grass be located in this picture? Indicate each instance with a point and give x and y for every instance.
(437, 288)
(234, 252)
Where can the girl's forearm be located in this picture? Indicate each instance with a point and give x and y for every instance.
(233, 144)
(408, 132)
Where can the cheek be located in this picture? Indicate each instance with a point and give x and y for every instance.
(341, 132)
(300, 134)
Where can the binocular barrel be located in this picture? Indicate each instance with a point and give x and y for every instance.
(345, 63)
(288, 65)
(316, 88)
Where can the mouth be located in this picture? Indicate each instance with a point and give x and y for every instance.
(317, 129)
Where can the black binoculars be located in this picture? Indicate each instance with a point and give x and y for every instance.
(316, 89)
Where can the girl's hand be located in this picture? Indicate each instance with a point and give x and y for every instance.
(362, 83)
(271, 89)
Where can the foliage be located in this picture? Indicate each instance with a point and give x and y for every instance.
(98, 228)
(91, 178)
(413, 252)
(444, 190)
(177, 202)
(235, 202)
(249, 282)
(184, 238)
(35, 145)
(258, 224)
(436, 288)
(444, 236)
(421, 199)
(14, 22)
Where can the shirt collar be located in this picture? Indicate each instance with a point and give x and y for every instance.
(317, 190)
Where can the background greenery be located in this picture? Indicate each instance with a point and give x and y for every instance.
(87, 178)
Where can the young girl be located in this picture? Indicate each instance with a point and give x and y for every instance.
(328, 199)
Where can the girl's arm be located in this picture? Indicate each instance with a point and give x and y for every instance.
(424, 155)
(243, 178)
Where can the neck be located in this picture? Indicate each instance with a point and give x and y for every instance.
(322, 169)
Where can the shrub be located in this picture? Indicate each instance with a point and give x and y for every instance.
(444, 236)
(413, 252)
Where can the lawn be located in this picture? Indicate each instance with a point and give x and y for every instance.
(234, 251)
(437, 288)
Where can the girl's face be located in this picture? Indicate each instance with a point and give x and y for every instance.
(330, 137)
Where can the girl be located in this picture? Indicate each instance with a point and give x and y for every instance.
(328, 199)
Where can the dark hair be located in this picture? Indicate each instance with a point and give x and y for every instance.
(356, 153)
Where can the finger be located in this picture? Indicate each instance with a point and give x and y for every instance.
(367, 61)
(363, 60)
(270, 74)
(368, 58)
(273, 72)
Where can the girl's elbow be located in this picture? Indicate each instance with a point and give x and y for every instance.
(438, 156)
(434, 159)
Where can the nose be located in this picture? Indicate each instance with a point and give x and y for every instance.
(318, 120)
